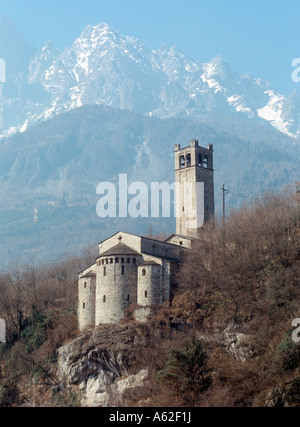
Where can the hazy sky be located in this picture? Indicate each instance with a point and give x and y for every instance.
(256, 36)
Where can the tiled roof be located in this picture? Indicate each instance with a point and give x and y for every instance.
(119, 249)
(90, 274)
(150, 262)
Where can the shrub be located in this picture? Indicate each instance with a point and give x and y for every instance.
(185, 373)
(293, 393)
(286, 354)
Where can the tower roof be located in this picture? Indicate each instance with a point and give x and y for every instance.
(119, 249)
(88, 275)
(149, 262)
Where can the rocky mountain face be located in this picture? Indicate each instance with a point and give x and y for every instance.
(115, 374)
(107, 68)
(16, 96)
(113, 366)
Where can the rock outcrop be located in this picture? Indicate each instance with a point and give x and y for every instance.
(116, 365)
(110, 365)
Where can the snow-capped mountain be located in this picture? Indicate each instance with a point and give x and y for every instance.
(105, 67)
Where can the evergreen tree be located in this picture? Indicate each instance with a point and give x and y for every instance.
(185, 372)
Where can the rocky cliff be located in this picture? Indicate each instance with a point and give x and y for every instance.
(115, 365)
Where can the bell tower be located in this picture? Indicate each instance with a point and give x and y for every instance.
(194, 188)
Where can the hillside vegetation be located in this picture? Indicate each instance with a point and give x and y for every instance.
(244, 281)
(226, 335)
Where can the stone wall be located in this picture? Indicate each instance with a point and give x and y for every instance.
(179, 240)
(207, 176)
(185, 203)
(159, 249)
(149, 284)
(86, 301)
(116, 287)
(166, 281)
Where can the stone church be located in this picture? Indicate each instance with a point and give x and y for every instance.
(139, 270)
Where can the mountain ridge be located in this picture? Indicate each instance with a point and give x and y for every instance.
(105, 67)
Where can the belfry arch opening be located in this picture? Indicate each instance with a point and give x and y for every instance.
(200, 160)
(188, 160)
(181, 162)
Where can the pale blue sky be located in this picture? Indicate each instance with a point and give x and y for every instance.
(256, 36)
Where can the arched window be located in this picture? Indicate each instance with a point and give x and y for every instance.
(205, 162)
(146, 294)
(182, 162)
(83, 306)
(128, 260)
(188, 160)
(144, 272)
(104, 298)
(128, 298)
(123, 270)
(200, 160)
(85, 285)
(104, 271)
